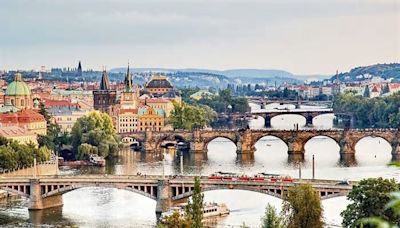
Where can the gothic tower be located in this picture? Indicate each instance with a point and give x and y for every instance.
(130, 95)
(104, 99)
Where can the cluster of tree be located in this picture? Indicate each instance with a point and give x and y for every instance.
(223, 101)
(378, 112)
(94, 134)
(373, 202)
(301, 208)
(54, 138)
(193, 217)
(14, 155)
(185, 116)
(391, 70)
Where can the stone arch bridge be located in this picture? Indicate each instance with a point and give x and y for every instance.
(46, 191)
(245, 140)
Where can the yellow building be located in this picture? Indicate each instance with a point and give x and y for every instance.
(152, 119)
(127, 121)
(18, 134)
(160, 103)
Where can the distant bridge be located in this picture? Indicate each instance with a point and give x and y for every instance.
(308, 113)
(46, 191)
(265, 101)
(245, 139)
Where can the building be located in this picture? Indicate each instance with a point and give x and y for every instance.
(130, 94)
(160, 103)
(201, 94)
(18, 134)
(27, 119)
(127, 121)
(151, 118)
(104, 98)
(18, 94)
(66, 117)
(158, 86)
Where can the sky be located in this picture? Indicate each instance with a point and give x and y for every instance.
(299, 36)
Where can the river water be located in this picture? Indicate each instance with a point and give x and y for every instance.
(107, 207)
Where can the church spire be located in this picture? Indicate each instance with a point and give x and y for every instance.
(105, 82)
(128, 81)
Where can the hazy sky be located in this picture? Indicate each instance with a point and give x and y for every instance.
(303, 37)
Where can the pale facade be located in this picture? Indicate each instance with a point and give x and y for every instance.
(66, 117)
(127, 121)
(18, 134)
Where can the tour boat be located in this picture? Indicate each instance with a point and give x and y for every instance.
(209, 210)
(97, 160)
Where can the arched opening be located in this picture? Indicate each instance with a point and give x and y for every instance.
(244, 205)
(101, 206)
(373, 151)
(288, 121)
(257, 122)
(271, 153)
(326, 153)
(324, 121)
(221, 154)
(332, 209)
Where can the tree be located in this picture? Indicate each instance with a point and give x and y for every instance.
(97, 130)
(194, 208)
(367, 92)
(175, 221)
(189, 117)
(7, 158)
(271, 219)
(369, 198)
(302, 207)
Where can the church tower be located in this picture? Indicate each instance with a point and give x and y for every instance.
(79, 71)
(104, 99)
(130, 95)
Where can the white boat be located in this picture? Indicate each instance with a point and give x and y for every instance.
(209, 210)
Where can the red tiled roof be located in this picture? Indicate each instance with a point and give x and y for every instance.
(23, 116)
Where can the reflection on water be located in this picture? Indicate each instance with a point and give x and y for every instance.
(103, 207)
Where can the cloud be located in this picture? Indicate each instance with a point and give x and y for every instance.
(289, 34)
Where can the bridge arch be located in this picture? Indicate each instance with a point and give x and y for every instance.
(301, 118)
(277, 193)
(213, 138)
(213, 188)
(23, 190)
(321, 136)
(373, 149)
(170, 140)
(148, 191)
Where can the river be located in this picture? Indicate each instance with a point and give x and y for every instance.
(106, 207)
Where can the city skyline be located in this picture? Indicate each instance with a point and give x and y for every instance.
(307, 37)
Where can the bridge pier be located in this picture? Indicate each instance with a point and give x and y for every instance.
(37, 202)
(267, 121)
(396, 151)
(309, 120)
(164, 196)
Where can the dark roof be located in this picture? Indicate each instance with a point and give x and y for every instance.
(105, 82)
(159, 83)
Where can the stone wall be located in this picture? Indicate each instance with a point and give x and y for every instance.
(46, 168)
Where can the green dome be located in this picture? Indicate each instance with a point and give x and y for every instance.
(18, 87)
